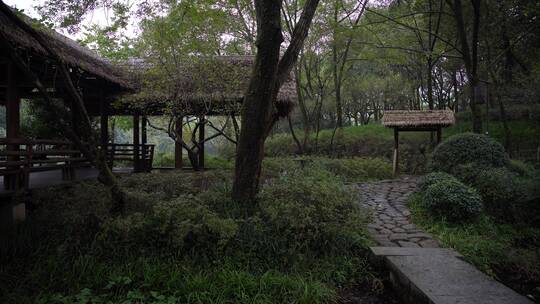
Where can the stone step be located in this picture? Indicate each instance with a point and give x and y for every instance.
(441, 276)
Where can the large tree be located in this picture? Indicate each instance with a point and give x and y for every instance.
(259, 112)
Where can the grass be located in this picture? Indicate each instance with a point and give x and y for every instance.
(505, 251)
(524, 133)
(183, 241)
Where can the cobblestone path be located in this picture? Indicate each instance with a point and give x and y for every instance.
(391, 226)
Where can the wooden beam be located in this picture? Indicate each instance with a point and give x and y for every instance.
(396, 152)
(411, 129)
(202, 122)
(177, 144)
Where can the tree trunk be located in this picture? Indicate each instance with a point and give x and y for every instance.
(337, 82)
(293, 134)
(269, 73)
(303, 109)
(429, 74)
(257, 110)
(470, 58)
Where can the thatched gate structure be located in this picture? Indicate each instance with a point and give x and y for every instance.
(407, 121)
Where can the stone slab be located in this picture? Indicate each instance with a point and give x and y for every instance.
(403, 251)
(439, 276)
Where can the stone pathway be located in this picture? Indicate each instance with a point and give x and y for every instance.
(391, 226)
(420, 271)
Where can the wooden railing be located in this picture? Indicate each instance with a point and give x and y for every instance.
(20, 157)
(144, 154)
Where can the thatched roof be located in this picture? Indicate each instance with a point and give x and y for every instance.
(70, 51)
(212, 85)
(418, 119)
(204, 85)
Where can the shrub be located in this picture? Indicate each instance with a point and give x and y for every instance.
(452, 200)
(467, 148)
(432, 178)
(522, 169)
(275, 166)
(499, 189)
(357, 169)
(311, 211)
(181, 226)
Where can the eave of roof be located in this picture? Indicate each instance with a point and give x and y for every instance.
(418, 119)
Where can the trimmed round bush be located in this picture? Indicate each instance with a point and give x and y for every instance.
(465, 148)
(432, 178)
(452, 200)
(499, 189)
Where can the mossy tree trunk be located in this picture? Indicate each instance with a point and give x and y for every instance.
(269, 73)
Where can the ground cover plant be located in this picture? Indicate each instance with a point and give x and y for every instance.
(184, 241)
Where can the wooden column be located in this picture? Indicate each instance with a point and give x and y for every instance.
(177, 145)
(202, 122)
(396, 152)
(136, 144)
(439, 135)
(15, 211)
(145, 165)
(104, 122)
(12, 122)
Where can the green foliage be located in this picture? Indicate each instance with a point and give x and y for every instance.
(163, 159)
(308, 210)
(354, 169)
(522, 169)
(368, 141)
(432, 178)
(183, 240)
(223, 286)
(468, 148)
(452, 200)
(500, 190)
(181, 226)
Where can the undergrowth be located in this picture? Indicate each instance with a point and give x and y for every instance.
(184, 241)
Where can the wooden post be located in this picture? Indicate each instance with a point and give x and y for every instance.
(439, 135)
(396, 152)
(12, 181)
(146, 166)
(202, 122)
(177, 145)
(136, 144)
(14, 211)
(104, 122)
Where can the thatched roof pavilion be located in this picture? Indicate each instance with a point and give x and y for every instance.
(211, 85)
(198, 87)
(70, 51)
(429, 120)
